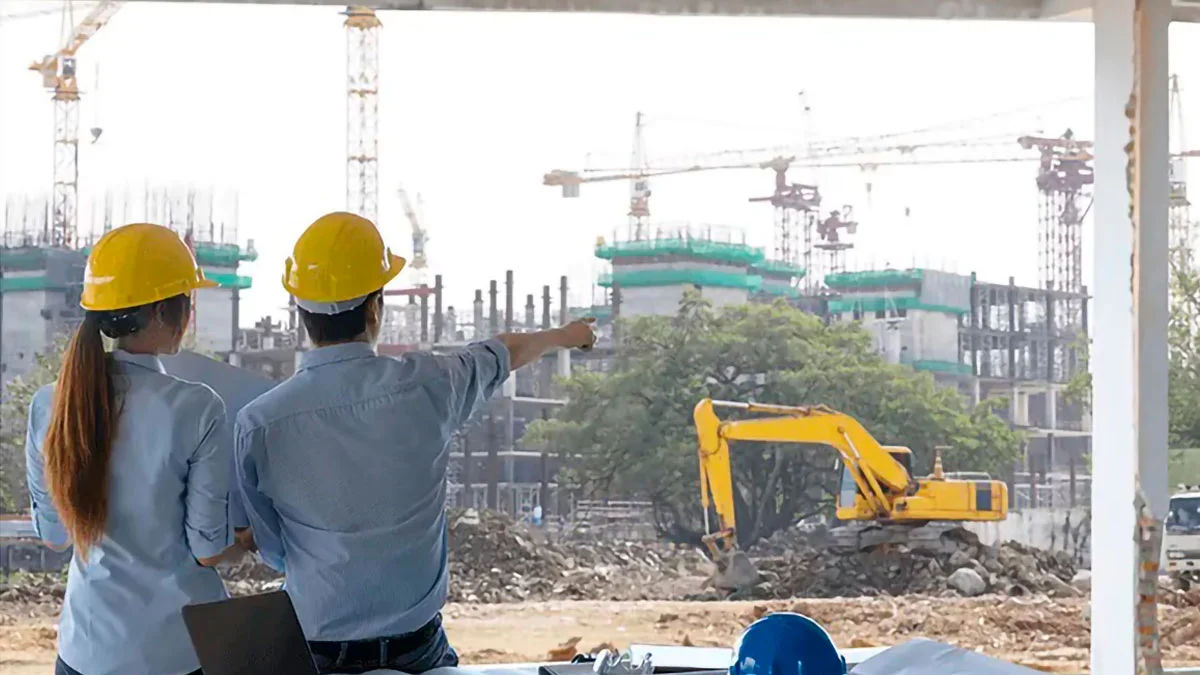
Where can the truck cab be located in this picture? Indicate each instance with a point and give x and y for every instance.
(1181, 540)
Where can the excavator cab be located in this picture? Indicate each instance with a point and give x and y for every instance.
(847, 488)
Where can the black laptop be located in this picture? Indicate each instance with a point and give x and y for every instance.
(252, 635)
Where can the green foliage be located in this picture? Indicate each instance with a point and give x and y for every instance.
(1183, 344)
(1183, 339)
(14, 411)
(633, 435)
(1183, 467)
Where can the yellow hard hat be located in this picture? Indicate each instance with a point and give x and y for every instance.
(338, 261)
(136, 265)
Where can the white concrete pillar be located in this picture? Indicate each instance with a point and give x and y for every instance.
(1130, 315)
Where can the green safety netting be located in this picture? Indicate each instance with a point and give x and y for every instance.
(874, 278)
(636, 278)
(38, 283)
(226, 280)
(885, 304)
(23, 259)
(942, 367)
(696, 248)
(223, 255)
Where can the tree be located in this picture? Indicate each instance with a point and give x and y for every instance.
(1183, 353)
(14, 412)
(632, 430)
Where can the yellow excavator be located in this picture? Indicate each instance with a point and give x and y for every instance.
(879, 495)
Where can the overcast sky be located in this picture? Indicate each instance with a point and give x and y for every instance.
(476, 107)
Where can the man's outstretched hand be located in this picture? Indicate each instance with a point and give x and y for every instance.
(579, 334)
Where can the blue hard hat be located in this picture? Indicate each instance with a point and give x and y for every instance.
(786, 644)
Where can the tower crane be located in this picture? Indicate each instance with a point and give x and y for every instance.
(802, 238)
(420, 236)
(58, 75)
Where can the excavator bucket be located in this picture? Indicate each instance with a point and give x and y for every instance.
(734, 571)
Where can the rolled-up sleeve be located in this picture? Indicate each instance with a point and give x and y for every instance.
(260, 511)
(46, 522)
(206, 501)
(470, 377)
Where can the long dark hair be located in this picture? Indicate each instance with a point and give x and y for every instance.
(83, 420)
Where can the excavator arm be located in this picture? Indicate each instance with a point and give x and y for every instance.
(876, 473)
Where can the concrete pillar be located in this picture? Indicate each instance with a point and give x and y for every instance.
(530, 313)
(450, 324)
(564, 355)
(437, 309)
(615, 317)
(563, 314)
(478, 315)
(493, 312)
(545, 307)
(1129, 366)
(508, 301)
(424, 318)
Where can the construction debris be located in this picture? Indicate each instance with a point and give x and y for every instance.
(793, 563)
(493, 559)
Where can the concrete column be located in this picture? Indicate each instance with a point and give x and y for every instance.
(424, 318)
(508, 301)
(530, 313)
(1129, 365)
(545, 307)
(493, 316)
(477, 316)
(437, 308)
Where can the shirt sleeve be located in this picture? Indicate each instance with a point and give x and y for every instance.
(468, 378)
(46, 522)
(260, 510)
(206, 499)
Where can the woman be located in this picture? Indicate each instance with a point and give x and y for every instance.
(125, 463)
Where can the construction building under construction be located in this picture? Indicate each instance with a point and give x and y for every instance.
(41, 279)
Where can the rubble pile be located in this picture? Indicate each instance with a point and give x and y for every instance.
(33, 588)
(494, 559)
(796, 564)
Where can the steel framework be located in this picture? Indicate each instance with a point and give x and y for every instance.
(1065, 178)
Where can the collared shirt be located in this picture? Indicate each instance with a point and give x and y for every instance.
(168, 489)
(343, 473)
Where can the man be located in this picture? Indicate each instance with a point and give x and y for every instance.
(343, 465)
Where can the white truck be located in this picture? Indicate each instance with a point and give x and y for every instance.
(1181, 543)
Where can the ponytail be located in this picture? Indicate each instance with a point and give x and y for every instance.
(83, 421)
(79, 441)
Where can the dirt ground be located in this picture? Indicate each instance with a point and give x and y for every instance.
(1044, 633)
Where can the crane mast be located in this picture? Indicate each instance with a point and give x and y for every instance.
(639, 186)
(58, 75)
(362, 112)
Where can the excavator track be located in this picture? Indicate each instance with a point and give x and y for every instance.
(932, 537)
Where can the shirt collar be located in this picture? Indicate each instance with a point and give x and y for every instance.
(346, 351)
(147, 361)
